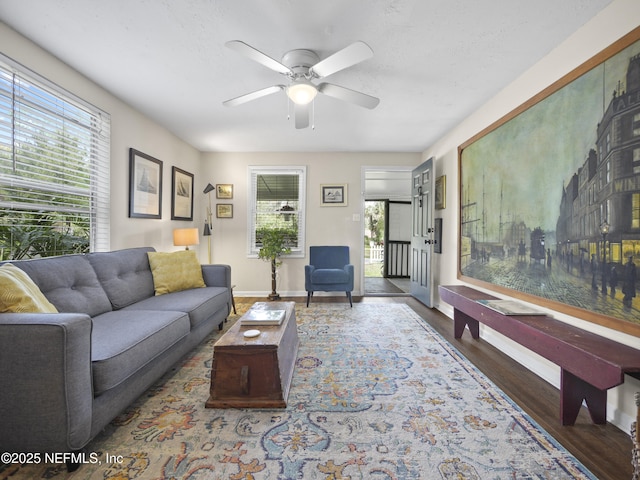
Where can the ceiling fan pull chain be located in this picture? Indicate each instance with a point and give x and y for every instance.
(313, 114)
(288, 108)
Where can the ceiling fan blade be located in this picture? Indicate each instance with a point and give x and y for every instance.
(258, 56)
(301, 113)
(253, 95)
(348, 56)
(348, 95)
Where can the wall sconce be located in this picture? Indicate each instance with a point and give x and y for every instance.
(208, 221)
(184, 237)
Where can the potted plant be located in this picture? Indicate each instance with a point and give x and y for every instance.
(274, 245)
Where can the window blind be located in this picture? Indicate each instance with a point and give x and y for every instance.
(54, 168)
(277, 202)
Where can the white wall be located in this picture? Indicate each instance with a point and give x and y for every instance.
(612, 23)
(129, 129)
(324, 225)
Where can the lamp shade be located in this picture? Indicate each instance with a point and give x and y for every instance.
(184, 237)
(302, 92)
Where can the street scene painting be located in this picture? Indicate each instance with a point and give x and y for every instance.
(550, 195)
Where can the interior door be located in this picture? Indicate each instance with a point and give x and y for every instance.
(422, 188)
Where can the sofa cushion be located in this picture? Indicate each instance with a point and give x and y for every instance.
(124, 342)
(125, 275)
(175, 271)
(326, 276)
(199, 303)
(18, 293)
(69, 282)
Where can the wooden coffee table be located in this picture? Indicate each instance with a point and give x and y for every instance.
(255, 372)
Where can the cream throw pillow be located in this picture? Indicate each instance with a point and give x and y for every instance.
(175, 271)
(19, 294)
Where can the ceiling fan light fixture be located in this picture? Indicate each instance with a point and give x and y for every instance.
(302, 92)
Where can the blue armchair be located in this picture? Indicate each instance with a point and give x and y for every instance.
(329, 271)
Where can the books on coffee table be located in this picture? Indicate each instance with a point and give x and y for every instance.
(263, 317)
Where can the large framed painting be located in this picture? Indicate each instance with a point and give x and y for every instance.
(145, 185)
(550, 194)
(181, 194)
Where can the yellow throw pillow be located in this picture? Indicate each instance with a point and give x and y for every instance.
(175, 271)
(19, 294)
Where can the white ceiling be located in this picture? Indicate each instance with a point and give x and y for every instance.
(435, 61)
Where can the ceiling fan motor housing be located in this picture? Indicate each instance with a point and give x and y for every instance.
(300, 61)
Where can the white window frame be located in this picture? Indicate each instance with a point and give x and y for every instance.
(46, 98)
(253, 172)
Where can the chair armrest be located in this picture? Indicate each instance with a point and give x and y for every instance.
(45, 381)
(217, 275)
(308, 270)
(351, 272)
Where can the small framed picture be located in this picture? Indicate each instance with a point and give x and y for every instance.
(224, 190)
(441, 192)
(437, 236)
(224, 210)
(181, 194)
(333, 195)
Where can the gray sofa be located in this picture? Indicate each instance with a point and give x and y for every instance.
(65, 376)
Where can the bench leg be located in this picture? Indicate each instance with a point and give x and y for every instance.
(572, 391)
(460, 320)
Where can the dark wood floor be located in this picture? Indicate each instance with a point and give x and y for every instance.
(604, 449)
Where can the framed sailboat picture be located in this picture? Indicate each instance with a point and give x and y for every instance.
(181, 194)
(145, 185)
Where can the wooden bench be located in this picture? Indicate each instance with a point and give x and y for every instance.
(590, 364)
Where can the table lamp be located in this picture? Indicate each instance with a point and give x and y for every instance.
(184, 237)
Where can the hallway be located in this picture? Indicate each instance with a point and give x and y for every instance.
(378, 286)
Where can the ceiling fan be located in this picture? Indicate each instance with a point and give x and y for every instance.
(302, 67)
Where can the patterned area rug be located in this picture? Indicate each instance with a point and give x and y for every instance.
(376, 393)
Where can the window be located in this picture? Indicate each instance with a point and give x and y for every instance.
(54, 168)
(277, 202)
(636, 161)
(635, 211)
(635, 126)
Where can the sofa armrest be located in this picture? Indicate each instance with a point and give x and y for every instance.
(217, 275)
(45, 382)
